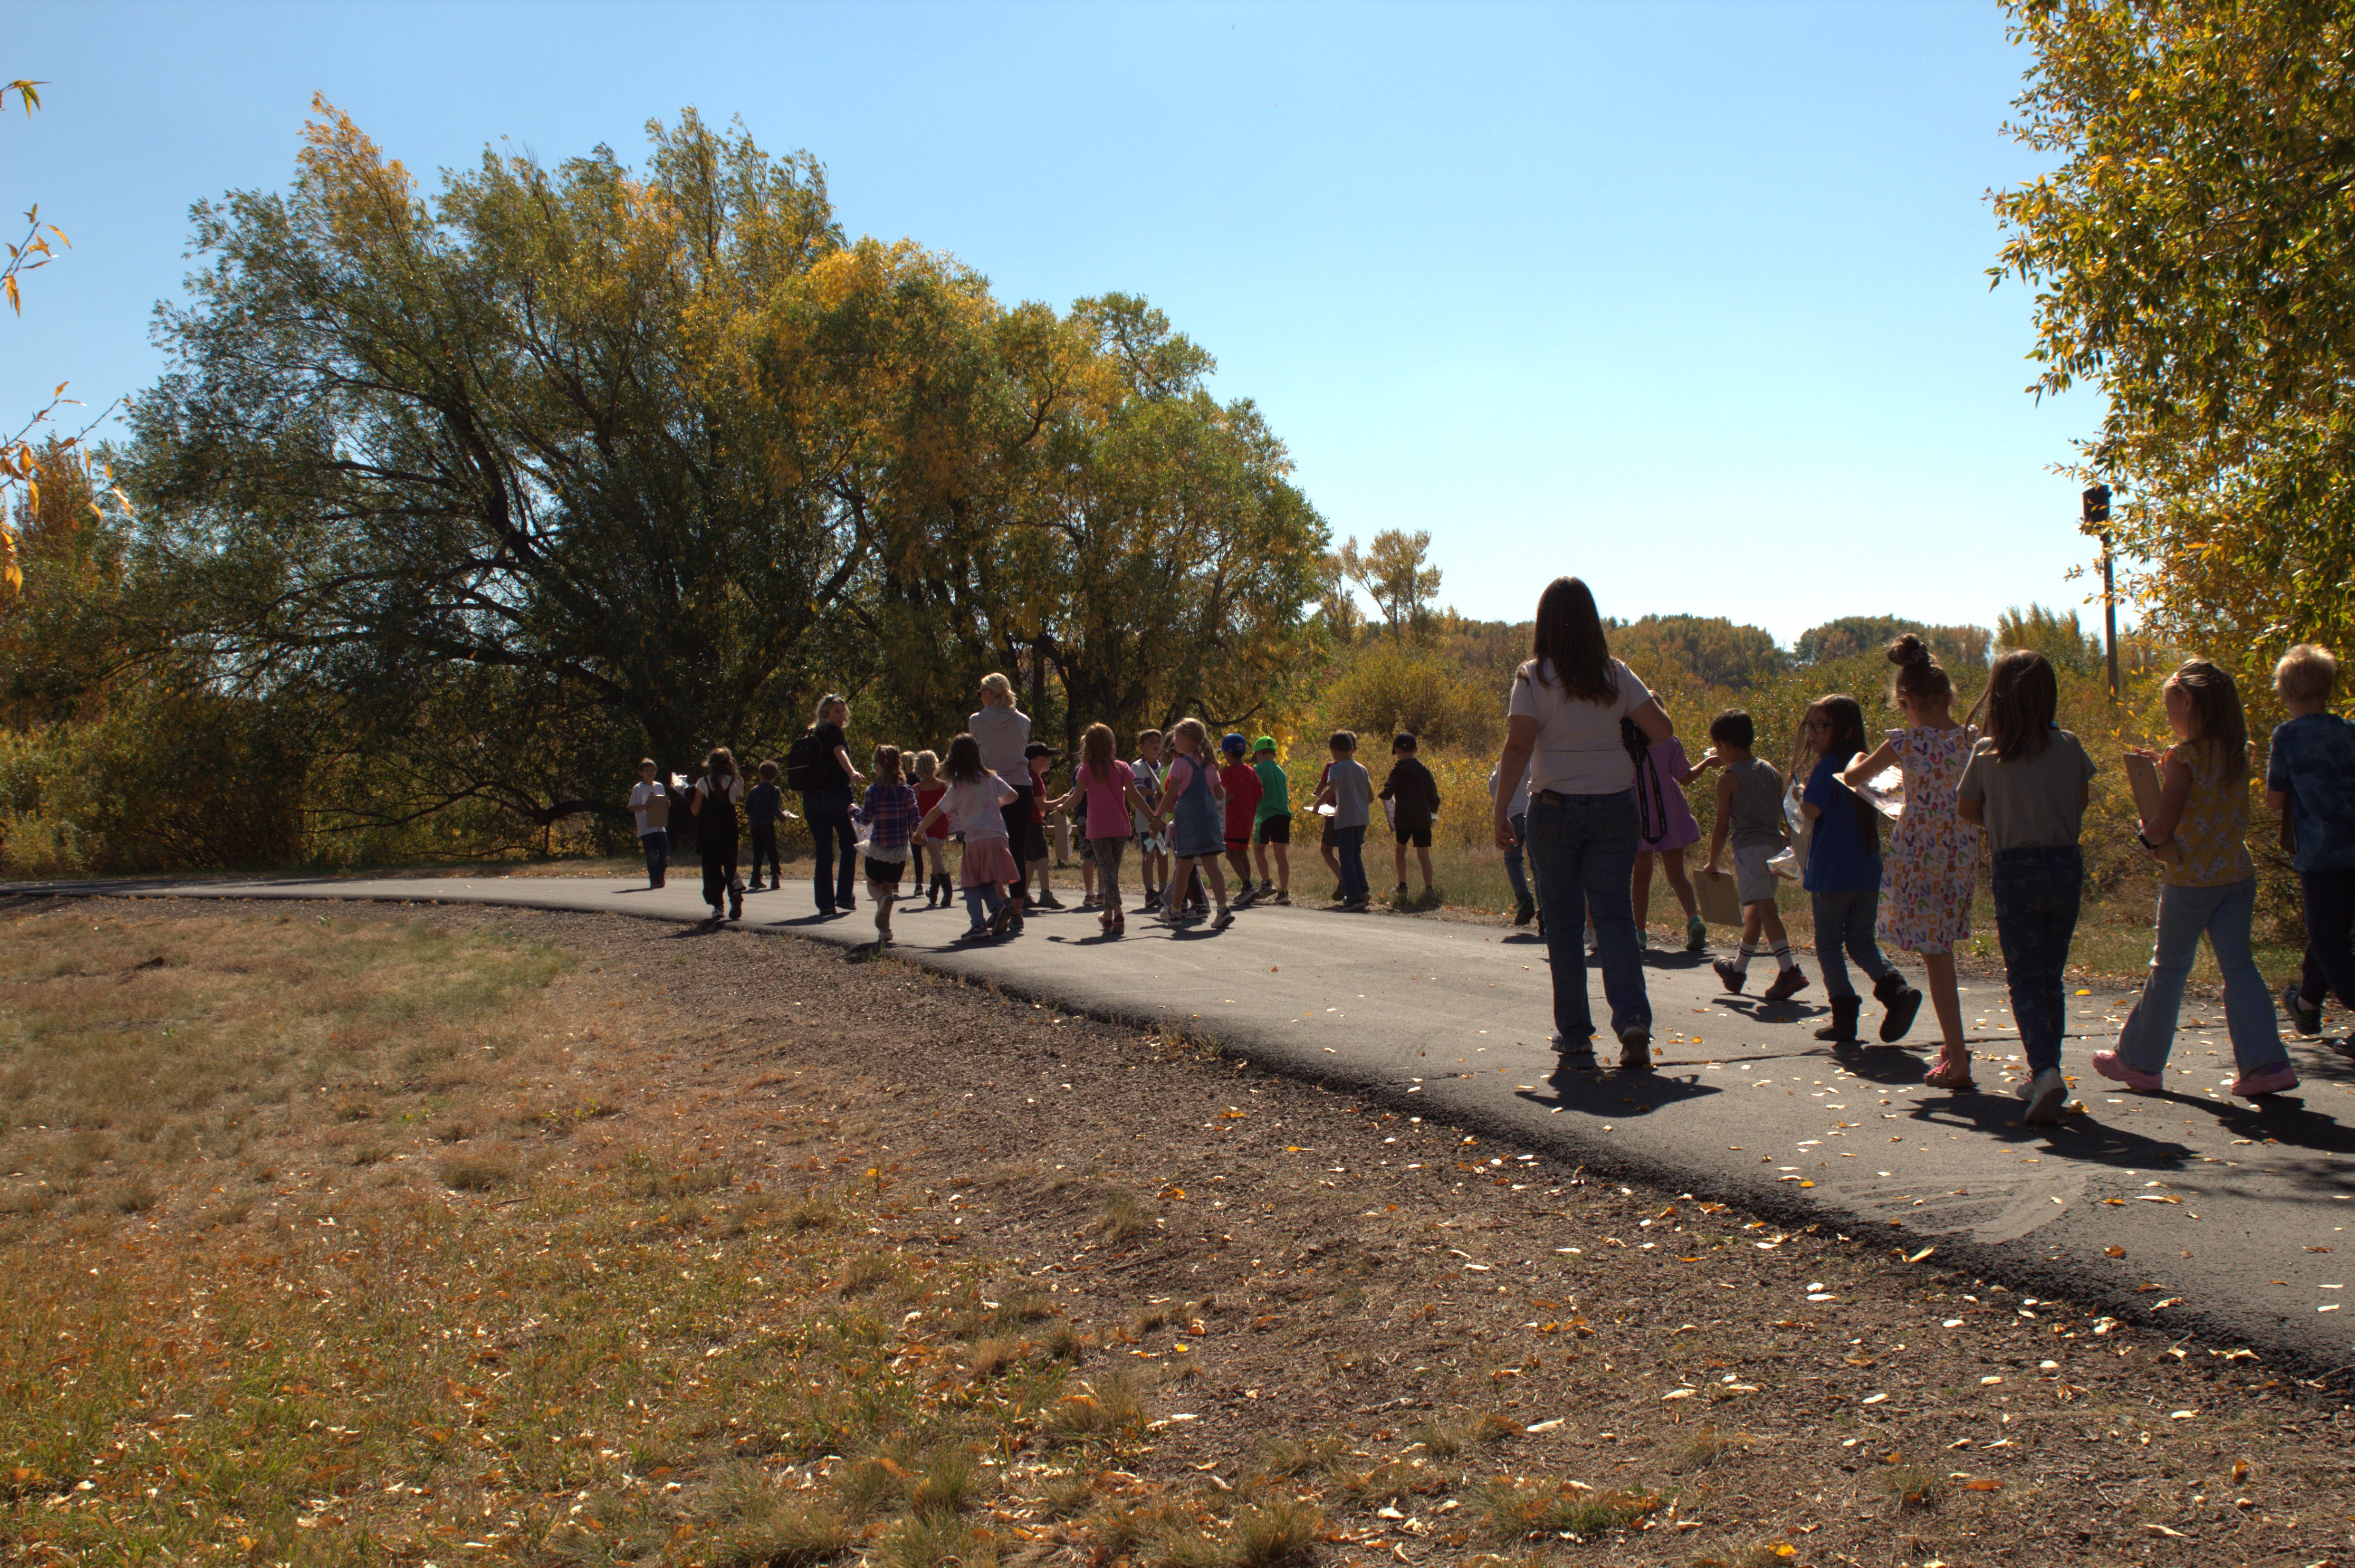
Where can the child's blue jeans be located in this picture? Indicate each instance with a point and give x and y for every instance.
(978, 899)
(1584, 850)
(1844, 921)
(657, 847)
(1349, 846)
(2037, 894)
(2224, 914)
(1513, 871)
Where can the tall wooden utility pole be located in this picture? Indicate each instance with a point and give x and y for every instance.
(2097, 515)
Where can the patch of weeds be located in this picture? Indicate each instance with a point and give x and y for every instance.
(645, 1178)
(987, 1357)
(134, 1197)
(867, 1271)
(1278, 1535)
(756, 1526)
(1107, 1408)
(812, 1213)
(1706, 1446)
(1913, 1486)
(922, 1542)
(945, 1484)
(1290, 1456)
(1439, 1441)
(1120, 1530)
(1512, 1511)
(477, 1173)
(1123, 1218)
(1067, 1493)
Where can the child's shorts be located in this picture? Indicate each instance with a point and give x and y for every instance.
(1088, 851)
(1753, 882)
(1417, 837)
(1276, 829)
(1152, 843)
(1240, 847)
(883, 871)
(1332, 838)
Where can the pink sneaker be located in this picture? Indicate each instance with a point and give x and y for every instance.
(2108, 1064)
(2272, 1080)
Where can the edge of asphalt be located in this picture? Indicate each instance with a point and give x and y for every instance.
(2086, 1284)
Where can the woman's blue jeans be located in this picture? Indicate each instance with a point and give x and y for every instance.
(1583, 848)
(2223, 915)
(2036, 893)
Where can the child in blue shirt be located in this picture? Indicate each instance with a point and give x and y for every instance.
(1843, 876)
(2310, 776)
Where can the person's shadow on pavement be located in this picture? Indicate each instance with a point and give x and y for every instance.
(1876, 1063)
(2079, 1137)
(2283, 1118)
(1612, 1093)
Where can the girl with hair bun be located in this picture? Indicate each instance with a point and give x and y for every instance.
(1931, 870)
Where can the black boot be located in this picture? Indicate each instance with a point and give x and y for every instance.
(1903, 1002)
(1841, 1030)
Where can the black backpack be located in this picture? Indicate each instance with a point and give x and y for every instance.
(1651, 801)
(801, 760)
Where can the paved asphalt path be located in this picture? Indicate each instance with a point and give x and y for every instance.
(2235, 1220)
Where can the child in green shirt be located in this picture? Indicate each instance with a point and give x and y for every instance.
(1271, 824)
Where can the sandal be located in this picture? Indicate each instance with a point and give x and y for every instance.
(1946, 1073)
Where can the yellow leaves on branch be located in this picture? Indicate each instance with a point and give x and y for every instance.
(366, 199)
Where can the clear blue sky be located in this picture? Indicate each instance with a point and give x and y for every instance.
(1686, 298)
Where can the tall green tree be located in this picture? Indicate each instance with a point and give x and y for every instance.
(510, 429)
(1186, 558)
(2192, 253)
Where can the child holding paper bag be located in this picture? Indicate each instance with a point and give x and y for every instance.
(2210, 889)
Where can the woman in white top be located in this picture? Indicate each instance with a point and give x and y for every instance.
(1563, 730)
(1003, 732)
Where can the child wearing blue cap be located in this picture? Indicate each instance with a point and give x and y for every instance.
(1240, 782)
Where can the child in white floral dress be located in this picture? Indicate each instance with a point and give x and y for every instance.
(1932, 869)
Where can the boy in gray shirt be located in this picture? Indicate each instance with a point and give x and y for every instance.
(1749, 809)
(1350, 790)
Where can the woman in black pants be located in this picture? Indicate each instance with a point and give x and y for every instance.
(713, 804)
(826, 804)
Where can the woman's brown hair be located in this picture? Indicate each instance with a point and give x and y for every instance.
(2216, 706)
(1918, 676)
(1569, 635)
(1096, 752)
(2021, 698)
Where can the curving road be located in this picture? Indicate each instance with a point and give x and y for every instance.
(2232, 1219)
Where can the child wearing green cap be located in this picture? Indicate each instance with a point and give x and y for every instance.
(1271, 827)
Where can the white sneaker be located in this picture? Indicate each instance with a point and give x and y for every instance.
(2045, 1094)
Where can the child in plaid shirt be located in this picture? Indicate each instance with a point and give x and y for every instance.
(888, 815)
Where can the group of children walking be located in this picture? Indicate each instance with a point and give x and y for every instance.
(2023, 783)
(1193, 813)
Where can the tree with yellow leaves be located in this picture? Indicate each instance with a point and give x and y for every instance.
(2194, 252)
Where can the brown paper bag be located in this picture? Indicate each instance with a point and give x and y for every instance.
(1721, 901)
(2142, 778)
